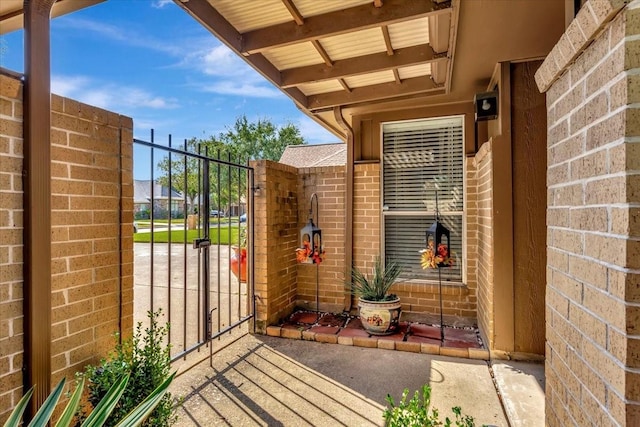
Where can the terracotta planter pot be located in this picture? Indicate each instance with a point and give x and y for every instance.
(379, 317)
(239, 263)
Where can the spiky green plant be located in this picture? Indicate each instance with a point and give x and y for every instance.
(375, 287)
(99, 415)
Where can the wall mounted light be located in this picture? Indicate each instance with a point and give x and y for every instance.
(486, 106)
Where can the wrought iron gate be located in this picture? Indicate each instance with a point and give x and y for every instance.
(190, 216)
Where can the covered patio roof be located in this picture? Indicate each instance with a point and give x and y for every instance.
(362, 56)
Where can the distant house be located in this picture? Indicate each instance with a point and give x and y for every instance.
(164, 201)
(316, 155)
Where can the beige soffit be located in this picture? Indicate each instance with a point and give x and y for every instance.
(333, 54)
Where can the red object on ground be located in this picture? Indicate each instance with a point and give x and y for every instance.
(239, 263)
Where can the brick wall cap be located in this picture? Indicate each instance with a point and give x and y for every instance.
(555, 64)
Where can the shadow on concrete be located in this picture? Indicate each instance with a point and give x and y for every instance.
(260, 380)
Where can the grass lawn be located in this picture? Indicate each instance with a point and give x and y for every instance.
(146, 223)
(178, 236)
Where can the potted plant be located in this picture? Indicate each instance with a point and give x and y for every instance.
(239, 256)
(379, 311)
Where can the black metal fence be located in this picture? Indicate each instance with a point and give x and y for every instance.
(184, 264)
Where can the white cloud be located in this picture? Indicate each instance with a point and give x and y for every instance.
(109, 96)
(230, 87)
(126, 34)
(221, 61)
(68, 86)
(231, 75)
(313, 133)
(159, 4)
(226, 72)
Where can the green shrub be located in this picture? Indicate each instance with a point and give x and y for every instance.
(146, 359)
(415, 412)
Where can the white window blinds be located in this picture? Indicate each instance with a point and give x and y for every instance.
(420, 157)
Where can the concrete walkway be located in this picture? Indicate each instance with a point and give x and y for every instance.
(261, 380)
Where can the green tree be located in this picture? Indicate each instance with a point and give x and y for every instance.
(261, 140)
(185, 176)
(243, 142)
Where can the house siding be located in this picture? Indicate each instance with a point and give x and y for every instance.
(593, 239)
(91, 236)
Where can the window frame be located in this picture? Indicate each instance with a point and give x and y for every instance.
(424, 213)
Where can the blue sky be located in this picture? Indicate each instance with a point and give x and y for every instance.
(149, 60)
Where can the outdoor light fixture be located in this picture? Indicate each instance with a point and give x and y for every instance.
(438, 241)
(310, 250)
(486, 106)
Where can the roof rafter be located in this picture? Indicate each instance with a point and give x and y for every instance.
(339, 22)
(360, 65)
(293, 10)
(387, 39)
(383, 91)
(325, 56)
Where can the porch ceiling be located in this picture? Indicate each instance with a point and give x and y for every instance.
(377, 55)
(12, 16)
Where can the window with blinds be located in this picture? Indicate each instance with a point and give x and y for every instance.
(419, 158)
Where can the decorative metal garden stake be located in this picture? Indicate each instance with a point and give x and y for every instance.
(310, 250)
(438, 237)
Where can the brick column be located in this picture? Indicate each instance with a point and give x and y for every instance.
(592, 80)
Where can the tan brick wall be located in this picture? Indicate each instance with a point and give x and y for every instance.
(92, 251)
(92, 243)
(329, 184)
(11, 249)
(276, 238)
(282, 284)
(593, 249)
(484, 172)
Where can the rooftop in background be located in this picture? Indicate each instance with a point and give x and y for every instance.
(306, 156)
(142, 191)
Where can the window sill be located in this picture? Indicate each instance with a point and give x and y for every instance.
(431, 282)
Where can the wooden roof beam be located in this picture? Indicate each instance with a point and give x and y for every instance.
(379, 92)
(339, 22)
(325, 56)
(387, 39)
(360, 65)
(295, 13)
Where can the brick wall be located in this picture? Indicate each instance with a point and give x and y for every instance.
(92, 238)
(92, 243)
(328, 183)
(484, 184)
(593, 244)
(276, 238)
(283, 209)
(11, 228)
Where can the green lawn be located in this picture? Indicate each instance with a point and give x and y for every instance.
(146, 223)
(178, 236)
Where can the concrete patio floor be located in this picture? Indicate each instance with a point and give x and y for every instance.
(269, 381)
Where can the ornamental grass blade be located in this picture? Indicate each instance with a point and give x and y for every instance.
(72, 406)
(16, 415)
(41, 418)
(101, 413)
(146, 407)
